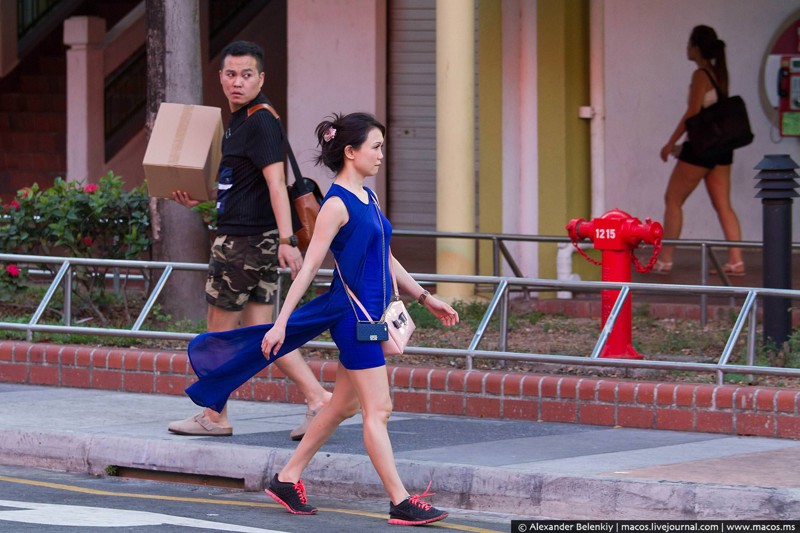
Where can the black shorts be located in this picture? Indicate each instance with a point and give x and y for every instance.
(688, 155)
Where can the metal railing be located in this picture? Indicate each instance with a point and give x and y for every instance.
(499, 304)
(707, 248)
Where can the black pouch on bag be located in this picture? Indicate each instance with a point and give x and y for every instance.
(372, 331)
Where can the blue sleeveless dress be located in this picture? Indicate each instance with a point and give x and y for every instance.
(223, 361)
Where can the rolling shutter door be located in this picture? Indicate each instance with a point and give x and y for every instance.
(411, 139)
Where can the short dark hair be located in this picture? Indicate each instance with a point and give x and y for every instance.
(351, 130)
(243, 48)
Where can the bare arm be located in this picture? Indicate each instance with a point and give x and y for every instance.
(288, 256)
(332, 216)
(407, 285)
(697, 90)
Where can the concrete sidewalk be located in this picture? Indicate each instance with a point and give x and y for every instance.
(527, 469)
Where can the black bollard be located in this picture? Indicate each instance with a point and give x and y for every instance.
(776, 181)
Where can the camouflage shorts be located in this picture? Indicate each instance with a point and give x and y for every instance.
(243, 268)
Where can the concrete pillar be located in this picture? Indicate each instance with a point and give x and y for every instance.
(455, 141)
(490, 129)
(85, 80)
(8, 36)
(184, 85)
(183, 235)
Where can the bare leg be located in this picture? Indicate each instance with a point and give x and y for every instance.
(343, 405)
(221, 320)
(682, 182)
(718, 185)
(371, 387)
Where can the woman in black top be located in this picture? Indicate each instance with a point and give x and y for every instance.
(708, 53)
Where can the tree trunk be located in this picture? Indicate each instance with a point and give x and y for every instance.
(175, 75)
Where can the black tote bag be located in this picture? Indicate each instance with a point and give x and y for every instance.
(720, 127)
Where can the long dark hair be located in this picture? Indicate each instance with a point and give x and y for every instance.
(338, 131)
(712, 49)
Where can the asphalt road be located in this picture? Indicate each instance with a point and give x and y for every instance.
(34, 500)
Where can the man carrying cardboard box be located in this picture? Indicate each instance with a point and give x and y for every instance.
(254, 231)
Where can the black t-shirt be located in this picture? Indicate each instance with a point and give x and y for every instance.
(249, 145)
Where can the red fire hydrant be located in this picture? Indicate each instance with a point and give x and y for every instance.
(617, 234)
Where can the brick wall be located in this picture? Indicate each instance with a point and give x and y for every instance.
(729, 409)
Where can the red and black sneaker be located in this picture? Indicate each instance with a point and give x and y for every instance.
(291, 495)
(414, 512)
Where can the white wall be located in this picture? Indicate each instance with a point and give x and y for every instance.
(647, 81)
(337, 63)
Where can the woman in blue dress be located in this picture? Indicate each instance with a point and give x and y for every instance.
(350, 225)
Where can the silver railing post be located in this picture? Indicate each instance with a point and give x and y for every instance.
(610, 321)
(703, 281)
(153, 297)
(744, 314)
(68, 298)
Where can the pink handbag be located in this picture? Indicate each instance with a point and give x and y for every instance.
(396, 317)
(400, 325)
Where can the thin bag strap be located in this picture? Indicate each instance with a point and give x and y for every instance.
(394, 279)
(352, 297)
(714, 83)
(391, 263)
(300, 183)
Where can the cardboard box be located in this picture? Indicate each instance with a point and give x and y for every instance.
(184, 151)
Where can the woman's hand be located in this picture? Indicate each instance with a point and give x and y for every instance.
(442, 311)
(273, 340)
(668, 149)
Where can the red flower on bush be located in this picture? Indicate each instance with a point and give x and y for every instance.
(12, 270)
(91, 188)
(24, 192)
(14, 204)
(87, 241)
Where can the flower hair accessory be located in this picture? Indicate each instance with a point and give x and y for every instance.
(329, 134)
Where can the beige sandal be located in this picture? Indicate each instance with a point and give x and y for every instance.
(732, 269)
(200, 426)
(662, 267)
(299, 432)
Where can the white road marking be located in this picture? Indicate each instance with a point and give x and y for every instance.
(76, 515)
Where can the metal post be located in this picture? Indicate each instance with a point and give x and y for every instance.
(776, 181)
(704, 281)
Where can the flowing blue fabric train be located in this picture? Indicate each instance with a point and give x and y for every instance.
(224, 360)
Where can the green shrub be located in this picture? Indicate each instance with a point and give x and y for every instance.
(96, 220)
(75, 220)
(208, 211)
